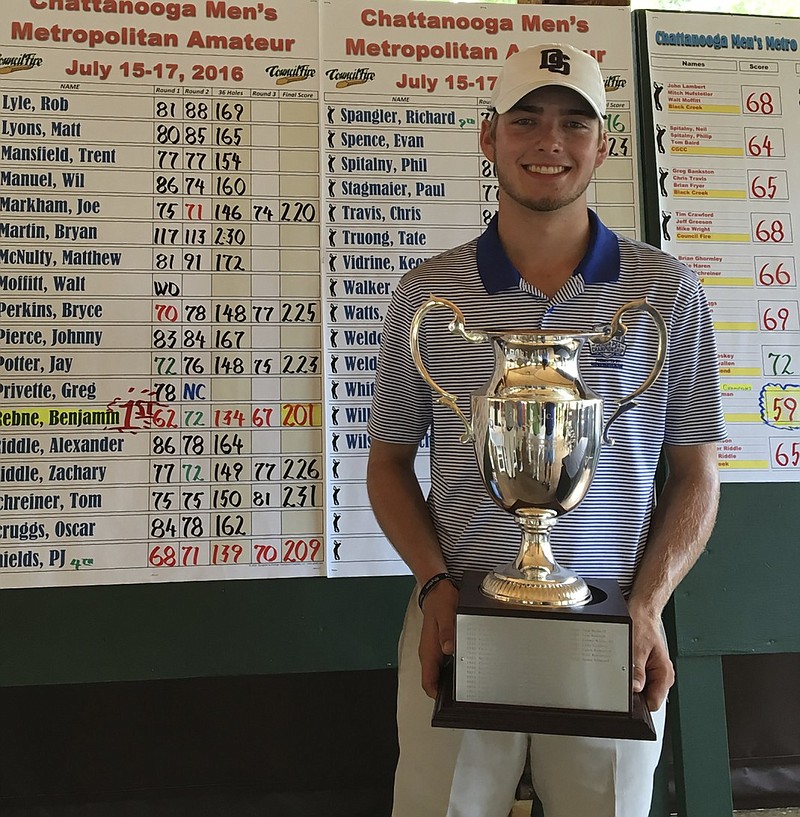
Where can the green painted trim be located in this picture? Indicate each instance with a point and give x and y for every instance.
(200, 629)
(700, 738)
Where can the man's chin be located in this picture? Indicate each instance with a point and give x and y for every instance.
(550, 205)
(546, 205)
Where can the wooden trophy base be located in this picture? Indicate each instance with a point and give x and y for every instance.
(557, 671)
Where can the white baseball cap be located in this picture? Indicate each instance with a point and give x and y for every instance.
(549, 64)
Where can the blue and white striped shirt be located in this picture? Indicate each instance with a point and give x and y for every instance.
(605, 535)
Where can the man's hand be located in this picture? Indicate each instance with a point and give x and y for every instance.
(652, 667)
(438, 633)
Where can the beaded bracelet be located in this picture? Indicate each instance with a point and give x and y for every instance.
(431, 583)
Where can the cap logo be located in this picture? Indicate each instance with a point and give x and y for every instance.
(555, 60)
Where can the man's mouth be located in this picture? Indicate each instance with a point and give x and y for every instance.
(550, 170)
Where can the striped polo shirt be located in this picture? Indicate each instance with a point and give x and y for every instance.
(605, 535)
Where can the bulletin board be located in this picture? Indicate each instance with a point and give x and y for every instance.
(204, 207)
(720, 94)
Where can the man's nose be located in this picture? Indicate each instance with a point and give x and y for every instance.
(548, 137)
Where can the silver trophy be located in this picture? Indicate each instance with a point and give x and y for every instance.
(537, 431)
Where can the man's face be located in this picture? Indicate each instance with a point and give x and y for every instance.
(545, 149)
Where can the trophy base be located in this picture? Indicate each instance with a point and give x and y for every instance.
(557, 588)
(545, 670)
(452, 714)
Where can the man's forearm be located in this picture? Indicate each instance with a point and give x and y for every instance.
(681, 525)
(399, 506)
(402, 513)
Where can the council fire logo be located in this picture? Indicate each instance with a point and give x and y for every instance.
(614, 83)
(285, 76)
(344, 79)
(24, 62)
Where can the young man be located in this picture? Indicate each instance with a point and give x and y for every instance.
(545, 262)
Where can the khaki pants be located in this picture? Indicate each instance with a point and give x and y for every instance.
(427, 754)
(464, 773)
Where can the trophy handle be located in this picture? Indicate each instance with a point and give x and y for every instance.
(457, 327)
(618, 329)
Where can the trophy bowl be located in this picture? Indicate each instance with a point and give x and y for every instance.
(537, 457)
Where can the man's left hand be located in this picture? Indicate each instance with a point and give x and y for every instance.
(652, 667)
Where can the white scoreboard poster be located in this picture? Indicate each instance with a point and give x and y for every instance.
(404, 89)
(204, 207)
(160, 371)
(724, 96)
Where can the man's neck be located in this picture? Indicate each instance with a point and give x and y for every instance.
(545, 248)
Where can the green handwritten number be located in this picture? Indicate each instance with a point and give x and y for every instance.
(776, 363)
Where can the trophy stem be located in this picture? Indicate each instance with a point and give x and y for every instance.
(535, 558)
(535, 577)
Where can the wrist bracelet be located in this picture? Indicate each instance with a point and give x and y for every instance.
(431, 583)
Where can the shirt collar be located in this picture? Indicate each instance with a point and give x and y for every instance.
(600, 263)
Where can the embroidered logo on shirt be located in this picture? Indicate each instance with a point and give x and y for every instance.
(608, 354)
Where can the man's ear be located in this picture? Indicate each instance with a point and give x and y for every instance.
(602, 148)
(487, 139)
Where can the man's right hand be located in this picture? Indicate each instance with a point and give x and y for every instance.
(438, 633)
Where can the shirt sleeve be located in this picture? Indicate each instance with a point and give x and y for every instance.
(694, 411)
(401, 401)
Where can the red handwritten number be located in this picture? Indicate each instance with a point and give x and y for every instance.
(189, 554)
(761, 191)
(163, 556)
(266, 553)
(166, 312)
(784, 459)
(755, 148)
(773, 233)
(775, 323)
(760, 103)
(298, 550)
(164, 418)
(228, 417)
(224, 554)
(297, 414)
(780, 276)
(262, 417)
(778, 406)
